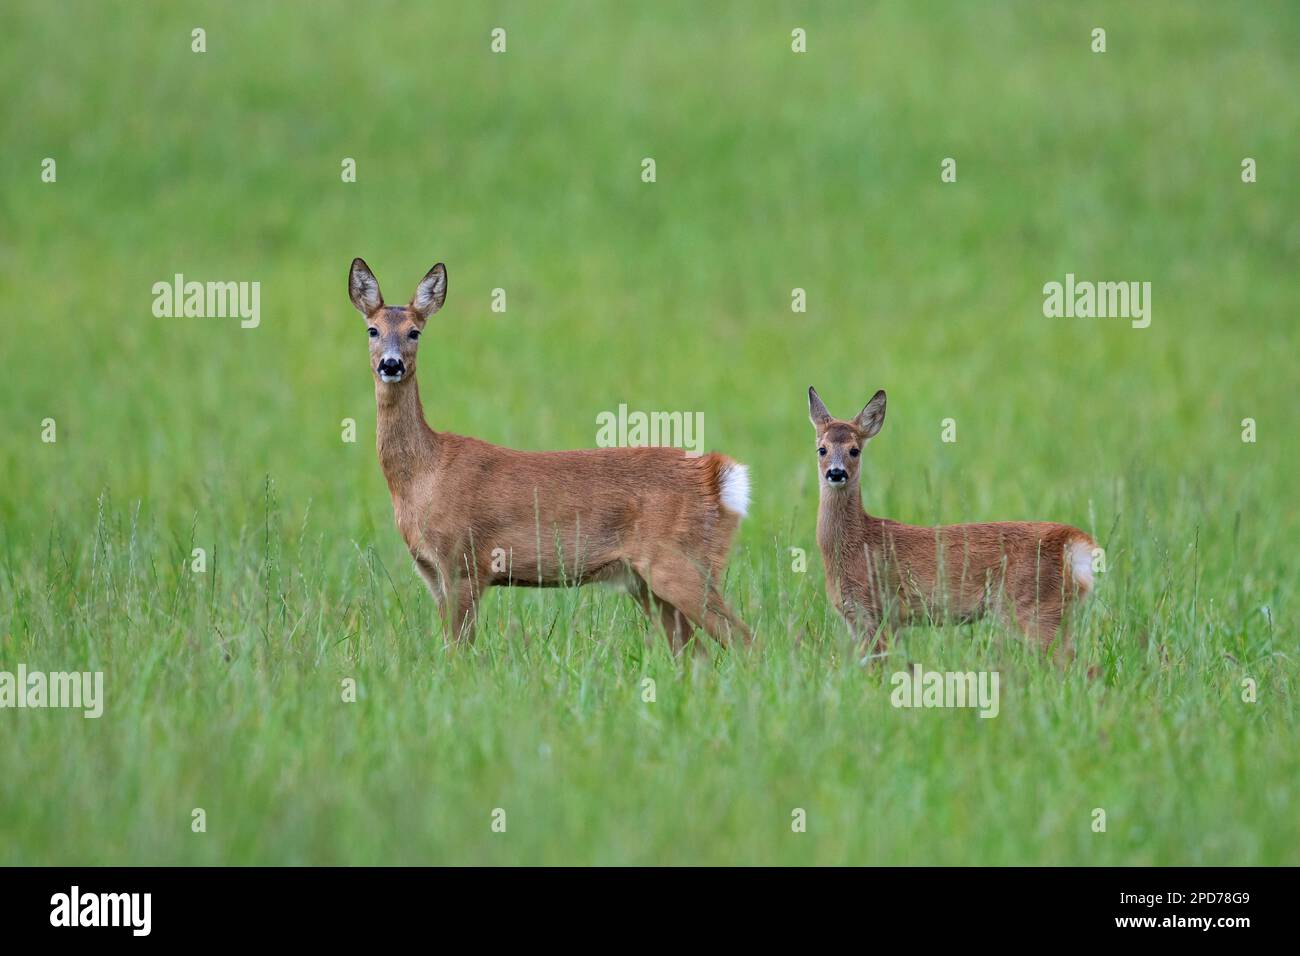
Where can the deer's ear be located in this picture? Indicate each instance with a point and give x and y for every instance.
(872, 417)
(431, 293)
(817, 413)
(363, 288)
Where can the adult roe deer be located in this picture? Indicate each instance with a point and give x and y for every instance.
(882, 574)
(475, 514)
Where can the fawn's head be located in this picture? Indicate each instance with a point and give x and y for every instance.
(394, 330)
(840, 444)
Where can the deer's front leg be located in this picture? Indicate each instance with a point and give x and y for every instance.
(459, 610)
(456, 592)
(865, 625)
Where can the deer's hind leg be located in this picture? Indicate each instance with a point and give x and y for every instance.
(1044, 623)
(677, 582)
(674, 623)
(720, 612)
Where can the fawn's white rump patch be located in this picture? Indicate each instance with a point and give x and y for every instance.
(1080, 556)
(733, 488)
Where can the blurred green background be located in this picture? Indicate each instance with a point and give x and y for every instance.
(522, 171)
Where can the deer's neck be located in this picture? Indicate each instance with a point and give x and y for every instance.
(407, 445)
(842, 525)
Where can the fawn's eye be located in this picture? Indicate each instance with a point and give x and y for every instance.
(374, 332)
(822, 451)
(853, 453)
(415, 334)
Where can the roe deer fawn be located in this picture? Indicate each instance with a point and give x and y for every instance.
(474, 514)
(882, 574)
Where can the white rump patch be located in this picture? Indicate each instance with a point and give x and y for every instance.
(734, 489)
(1081, 563)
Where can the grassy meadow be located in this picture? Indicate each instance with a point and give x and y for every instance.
(522, 171)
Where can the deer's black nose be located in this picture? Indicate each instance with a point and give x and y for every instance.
(836, 475)
(391, 366)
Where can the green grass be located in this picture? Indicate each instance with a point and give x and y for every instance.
(522, 171)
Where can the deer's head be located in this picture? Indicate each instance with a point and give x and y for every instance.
(840, 443)
(395, 330)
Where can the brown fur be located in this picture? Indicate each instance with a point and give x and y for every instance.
(882, 574)
(649, 519)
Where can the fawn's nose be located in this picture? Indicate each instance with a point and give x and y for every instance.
(391, 367)
(836, 476)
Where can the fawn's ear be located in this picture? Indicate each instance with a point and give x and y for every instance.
(872, 417)
(430, 293)
(817, 413)
(363, 288)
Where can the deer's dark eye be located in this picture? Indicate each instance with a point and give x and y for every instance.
(415, 334)
(822, 452)
(374, 333)
(853, 453)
